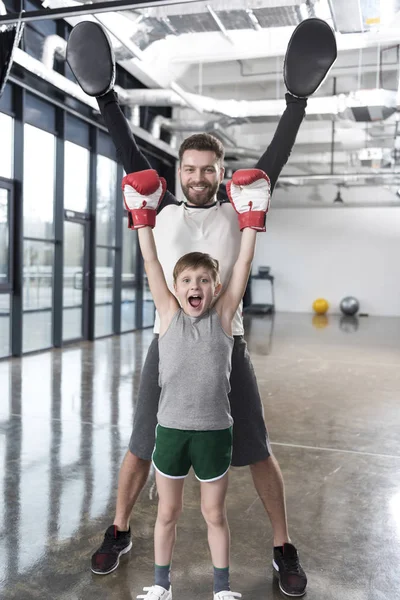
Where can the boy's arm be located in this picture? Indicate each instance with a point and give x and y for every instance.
(164, 301)
(227, 304)
(249, 193)
(143, 192)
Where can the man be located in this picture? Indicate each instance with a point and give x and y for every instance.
(203, 223)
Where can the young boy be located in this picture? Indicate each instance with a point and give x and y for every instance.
(195, 346)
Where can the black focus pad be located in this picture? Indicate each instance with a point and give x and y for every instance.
(91, 58)
(310, 54)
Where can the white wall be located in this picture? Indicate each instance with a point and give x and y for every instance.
(331, 253)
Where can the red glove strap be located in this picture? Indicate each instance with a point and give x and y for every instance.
(253, 219)
(143, 217)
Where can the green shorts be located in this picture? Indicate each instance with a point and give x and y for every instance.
(208, 452)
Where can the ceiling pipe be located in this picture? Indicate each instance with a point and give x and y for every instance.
(36, 67)
(90, 8)
(53, 46)
(327, 106)
(345, 178)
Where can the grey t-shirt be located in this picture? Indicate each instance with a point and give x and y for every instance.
(194, 371)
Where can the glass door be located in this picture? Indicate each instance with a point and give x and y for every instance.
(75, 278)
(6, 206)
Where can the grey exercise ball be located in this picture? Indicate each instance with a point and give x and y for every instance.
(349, 305)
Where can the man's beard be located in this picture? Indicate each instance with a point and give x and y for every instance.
(200, 199)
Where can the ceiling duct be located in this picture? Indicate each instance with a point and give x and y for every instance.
(364, 105)
(370, 105)
(221, 6)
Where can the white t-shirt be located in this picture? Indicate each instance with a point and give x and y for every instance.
(181, 229)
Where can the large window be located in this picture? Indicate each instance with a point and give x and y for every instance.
(38, 252)
(76, 268)
(39, 183)
(106, 198)
(76, 177)
(6, 171)
(4, 325)
(128, 291)
(4, 236)
(6, 146)
(106, 193)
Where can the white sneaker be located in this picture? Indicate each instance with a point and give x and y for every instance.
(156, 592)
(225, 595)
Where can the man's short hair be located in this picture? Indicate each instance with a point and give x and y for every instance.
(196, 260)
(203, 141)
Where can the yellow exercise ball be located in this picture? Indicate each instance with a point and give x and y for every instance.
(320, 306)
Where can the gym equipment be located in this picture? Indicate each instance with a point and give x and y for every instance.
(260, 309)
(349, 305)
(91, 58)
(320, 306)
(310, 55)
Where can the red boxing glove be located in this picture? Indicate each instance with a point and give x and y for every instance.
(143, 192)
(249, 191)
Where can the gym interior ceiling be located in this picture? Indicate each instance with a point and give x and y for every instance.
(219, 64)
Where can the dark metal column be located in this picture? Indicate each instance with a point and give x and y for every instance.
(90, 279)
(117, 287)
(59, 233)
(18, 234)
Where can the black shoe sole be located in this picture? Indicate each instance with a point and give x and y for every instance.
(124, 551)
(278, 577)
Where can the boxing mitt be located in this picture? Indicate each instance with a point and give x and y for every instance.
(91, 58)
(143, 192)
(310, 54)
(249, 191)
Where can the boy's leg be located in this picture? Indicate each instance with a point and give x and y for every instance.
(213, 509)
(134, 469)
(170, 500)
(211, 453)
(251, 447)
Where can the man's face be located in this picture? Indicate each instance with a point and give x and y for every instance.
(200, 174)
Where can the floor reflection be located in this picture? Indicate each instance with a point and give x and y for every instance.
(65, 420)
(331, 401)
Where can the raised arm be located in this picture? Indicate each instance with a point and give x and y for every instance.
(91, 58)
(249, 192)
(143, 192)
(164, 301)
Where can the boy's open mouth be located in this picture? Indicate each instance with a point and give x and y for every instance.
(194, 301)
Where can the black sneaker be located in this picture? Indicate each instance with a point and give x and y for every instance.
(287, 568)
(115, 543)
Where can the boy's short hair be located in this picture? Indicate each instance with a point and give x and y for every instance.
(203, 141)
(196, 260)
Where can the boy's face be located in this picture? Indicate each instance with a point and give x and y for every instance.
(200, 174)
(195, 290)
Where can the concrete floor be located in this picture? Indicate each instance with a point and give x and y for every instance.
(331, 390)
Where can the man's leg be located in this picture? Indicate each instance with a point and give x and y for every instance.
(268, 481)
(134, 469)
(251, 447)
(132, 478)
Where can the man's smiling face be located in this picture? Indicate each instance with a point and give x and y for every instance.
(200, 174)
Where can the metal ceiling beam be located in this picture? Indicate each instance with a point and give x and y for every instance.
(90, 8)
